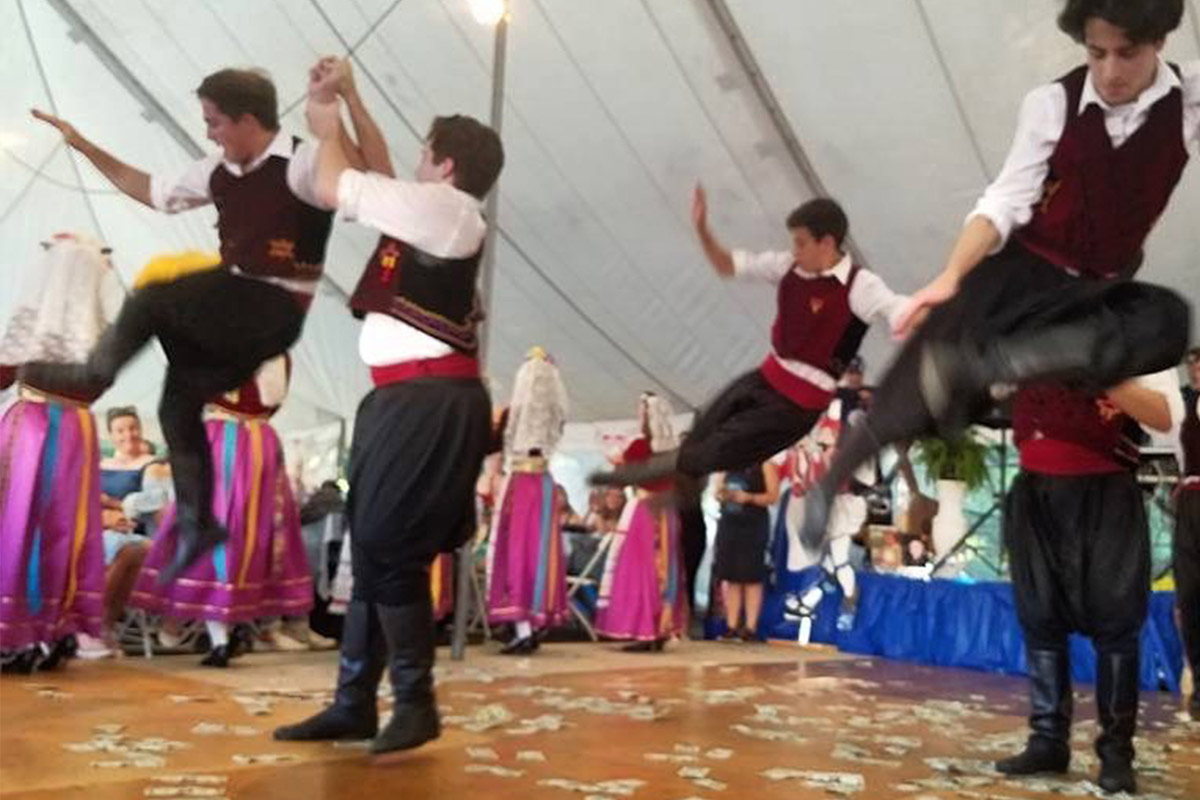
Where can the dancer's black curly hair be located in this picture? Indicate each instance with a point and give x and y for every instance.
(1142, 20)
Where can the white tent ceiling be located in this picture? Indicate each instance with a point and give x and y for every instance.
(903, 110)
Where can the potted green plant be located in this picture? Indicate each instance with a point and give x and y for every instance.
(957, 466)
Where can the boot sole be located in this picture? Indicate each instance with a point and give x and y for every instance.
(339, 737)
(382, 750)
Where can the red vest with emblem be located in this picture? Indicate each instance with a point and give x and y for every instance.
(813, 325)
(264, 229)
(247, 401)
(1061, 431)
(1099, 202)
(434, 295)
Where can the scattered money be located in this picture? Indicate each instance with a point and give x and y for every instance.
(720, 697)
(265, 758)
(482, 754)
(483, 718)
(830, 781)
(709, 783)
(492, 769)
(546, 722)
(673, 758)
(221, 729)
(190, 778)
(768, 735)
(184, 791)
(844, 751)
(624, 787)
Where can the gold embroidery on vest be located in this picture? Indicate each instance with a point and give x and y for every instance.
(282, 249)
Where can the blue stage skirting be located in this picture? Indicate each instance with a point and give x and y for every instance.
(953, 624)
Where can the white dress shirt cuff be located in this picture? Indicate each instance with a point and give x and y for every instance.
(769, 266)
(349, 191)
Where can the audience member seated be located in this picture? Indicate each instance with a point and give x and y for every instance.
(135, 488)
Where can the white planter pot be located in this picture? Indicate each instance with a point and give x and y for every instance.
(950, 524)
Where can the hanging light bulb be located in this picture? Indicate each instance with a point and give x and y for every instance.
(487, 12)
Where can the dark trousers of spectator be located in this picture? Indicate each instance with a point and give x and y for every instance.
(694, 540)
(1187, 573)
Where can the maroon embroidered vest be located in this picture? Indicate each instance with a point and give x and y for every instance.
(246, 400)
(264, 228)
(1190, 435)
(1066, 431)
(814, 323)
(434, 295)
(1099, 203)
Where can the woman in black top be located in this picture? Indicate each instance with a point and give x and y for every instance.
(742, 534)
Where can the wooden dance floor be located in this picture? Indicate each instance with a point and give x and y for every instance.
(703, 720)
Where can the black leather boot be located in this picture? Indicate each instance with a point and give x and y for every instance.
(523, 646)
(89, 378)
(219, 656)
(409, 632)
(354, 713)
(1048, 748)
(659, 465)
(1117, 708)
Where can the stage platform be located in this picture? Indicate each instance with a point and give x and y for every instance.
(702, 720)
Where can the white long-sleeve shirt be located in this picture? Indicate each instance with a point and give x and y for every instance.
(870, 298)
(190, 188)
(1009, 201)
(1167, 384)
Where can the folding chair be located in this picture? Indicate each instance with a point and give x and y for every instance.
(576, 583)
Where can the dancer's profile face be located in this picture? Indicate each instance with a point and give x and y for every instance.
(1120, 69)
(1193, 368)
(234, 137)
(430, 171)
(812, 254)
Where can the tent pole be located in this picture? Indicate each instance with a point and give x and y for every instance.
(466, 563)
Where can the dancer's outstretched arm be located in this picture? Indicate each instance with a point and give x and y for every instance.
(371, 148)
(1006, 206)
(325, 122)
(718, 255)
(128, 179)
(978, 238)
(1153, 400)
